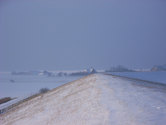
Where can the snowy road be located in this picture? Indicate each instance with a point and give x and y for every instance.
(94, 100)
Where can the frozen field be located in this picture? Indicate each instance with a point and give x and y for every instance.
(159, 76)
(25, 85)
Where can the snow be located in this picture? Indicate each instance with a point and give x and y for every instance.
(26, 85)
(73, 103)
(5, 106)
(134, 103)
(94, 100)
(158, 76)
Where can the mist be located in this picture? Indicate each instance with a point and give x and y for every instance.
(73, 34)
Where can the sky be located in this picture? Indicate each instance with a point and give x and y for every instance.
(78, 34)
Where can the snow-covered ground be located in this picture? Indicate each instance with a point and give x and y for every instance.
(23, 85)
(94, 100)
(158, 76)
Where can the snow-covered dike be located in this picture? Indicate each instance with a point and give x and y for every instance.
(94, 100)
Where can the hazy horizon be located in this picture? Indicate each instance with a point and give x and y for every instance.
(79, 34)
(84, 68)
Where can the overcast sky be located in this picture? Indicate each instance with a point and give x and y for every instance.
(77, 34)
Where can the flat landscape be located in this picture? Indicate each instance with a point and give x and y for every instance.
(92, 100)
(82, 62)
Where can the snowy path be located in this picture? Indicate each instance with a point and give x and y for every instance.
(134, 102)
(94, 100)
